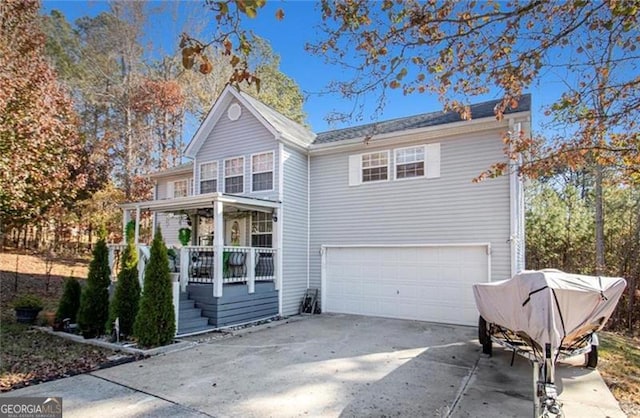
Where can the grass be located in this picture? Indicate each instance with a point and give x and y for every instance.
(619, 365)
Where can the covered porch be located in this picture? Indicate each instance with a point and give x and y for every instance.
(230, 272)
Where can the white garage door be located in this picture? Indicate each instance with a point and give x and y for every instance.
(428, 283)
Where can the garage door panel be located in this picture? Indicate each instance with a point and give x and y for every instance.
(423, 283)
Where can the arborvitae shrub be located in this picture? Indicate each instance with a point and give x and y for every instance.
(126, 297)
(155, 323)
(94, 302)
(70, 301)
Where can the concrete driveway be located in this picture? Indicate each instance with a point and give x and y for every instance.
(328, 366)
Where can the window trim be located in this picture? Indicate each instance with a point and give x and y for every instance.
(273, 168)
(362, 181)
(424, 162)
(173, 188)
(224, 173)
(216, 175)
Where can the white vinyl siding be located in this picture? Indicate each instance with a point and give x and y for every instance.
(209, 177)
(446, 210)
(262, 172)
(409, 162)
(230, 139)
(234, 175)
(295, 202)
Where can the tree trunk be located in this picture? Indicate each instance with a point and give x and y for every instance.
(599, 221)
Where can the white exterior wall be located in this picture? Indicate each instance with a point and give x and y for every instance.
(294, 214)
(243, 137)
(448, 209)
(168, 223)
(163, 187)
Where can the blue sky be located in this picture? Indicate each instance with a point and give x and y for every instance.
(288, 38)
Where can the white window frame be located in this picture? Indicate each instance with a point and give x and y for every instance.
(362, 168)
(224, 167)
(215, 177)
(272, 170)
(173, 188)
(396, 164)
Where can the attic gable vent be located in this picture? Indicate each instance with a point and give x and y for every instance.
(234, 111)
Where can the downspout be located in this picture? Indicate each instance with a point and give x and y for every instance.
(308, 219)
(516, 204)
(281, 220)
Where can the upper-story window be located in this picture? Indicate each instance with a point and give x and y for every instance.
(234, 175)
(180, 188)
(409, 162)
(262, 172)
(375, 166)
(209, 177)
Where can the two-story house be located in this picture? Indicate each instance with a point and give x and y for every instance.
(383, 219)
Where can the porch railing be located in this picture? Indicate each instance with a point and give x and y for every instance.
(239, 264)
(196, 264)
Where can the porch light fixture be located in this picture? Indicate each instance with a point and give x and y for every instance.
(274, 218)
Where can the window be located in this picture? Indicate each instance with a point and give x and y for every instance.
(209, 177)
(261, 230)
(234, 175)
(375, 166)
(262, 172)
(180, 188)
(409, 162)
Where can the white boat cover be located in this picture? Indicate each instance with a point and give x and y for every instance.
(548, 305)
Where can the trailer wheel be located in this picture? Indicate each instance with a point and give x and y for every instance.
(484, 337)
(592, 357)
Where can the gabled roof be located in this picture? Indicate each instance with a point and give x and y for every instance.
(478, 111)
(279, 125)
(287, 128)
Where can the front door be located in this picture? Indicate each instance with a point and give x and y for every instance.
(235, 232)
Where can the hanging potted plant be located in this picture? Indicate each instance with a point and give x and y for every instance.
(27, 308)
(184, 236)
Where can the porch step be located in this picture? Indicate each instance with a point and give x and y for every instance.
(190, 323)
(187, 304)
(195, 330)
(190, 313)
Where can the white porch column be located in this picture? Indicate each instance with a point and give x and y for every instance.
(137, 233)
(277, 235)
(184, 268)
(218, 243)
(251, 270)
(126, 217)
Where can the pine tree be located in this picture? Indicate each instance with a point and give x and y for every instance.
(94, 302)
(155, 323)
(126, 298)
(70, 301)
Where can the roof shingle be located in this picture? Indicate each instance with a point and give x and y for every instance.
(479, 110)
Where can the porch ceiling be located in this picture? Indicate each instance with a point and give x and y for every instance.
(204, 201)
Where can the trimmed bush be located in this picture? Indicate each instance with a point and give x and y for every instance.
(155, 324)
(94, 302)
(70, 301)
(126, 297)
